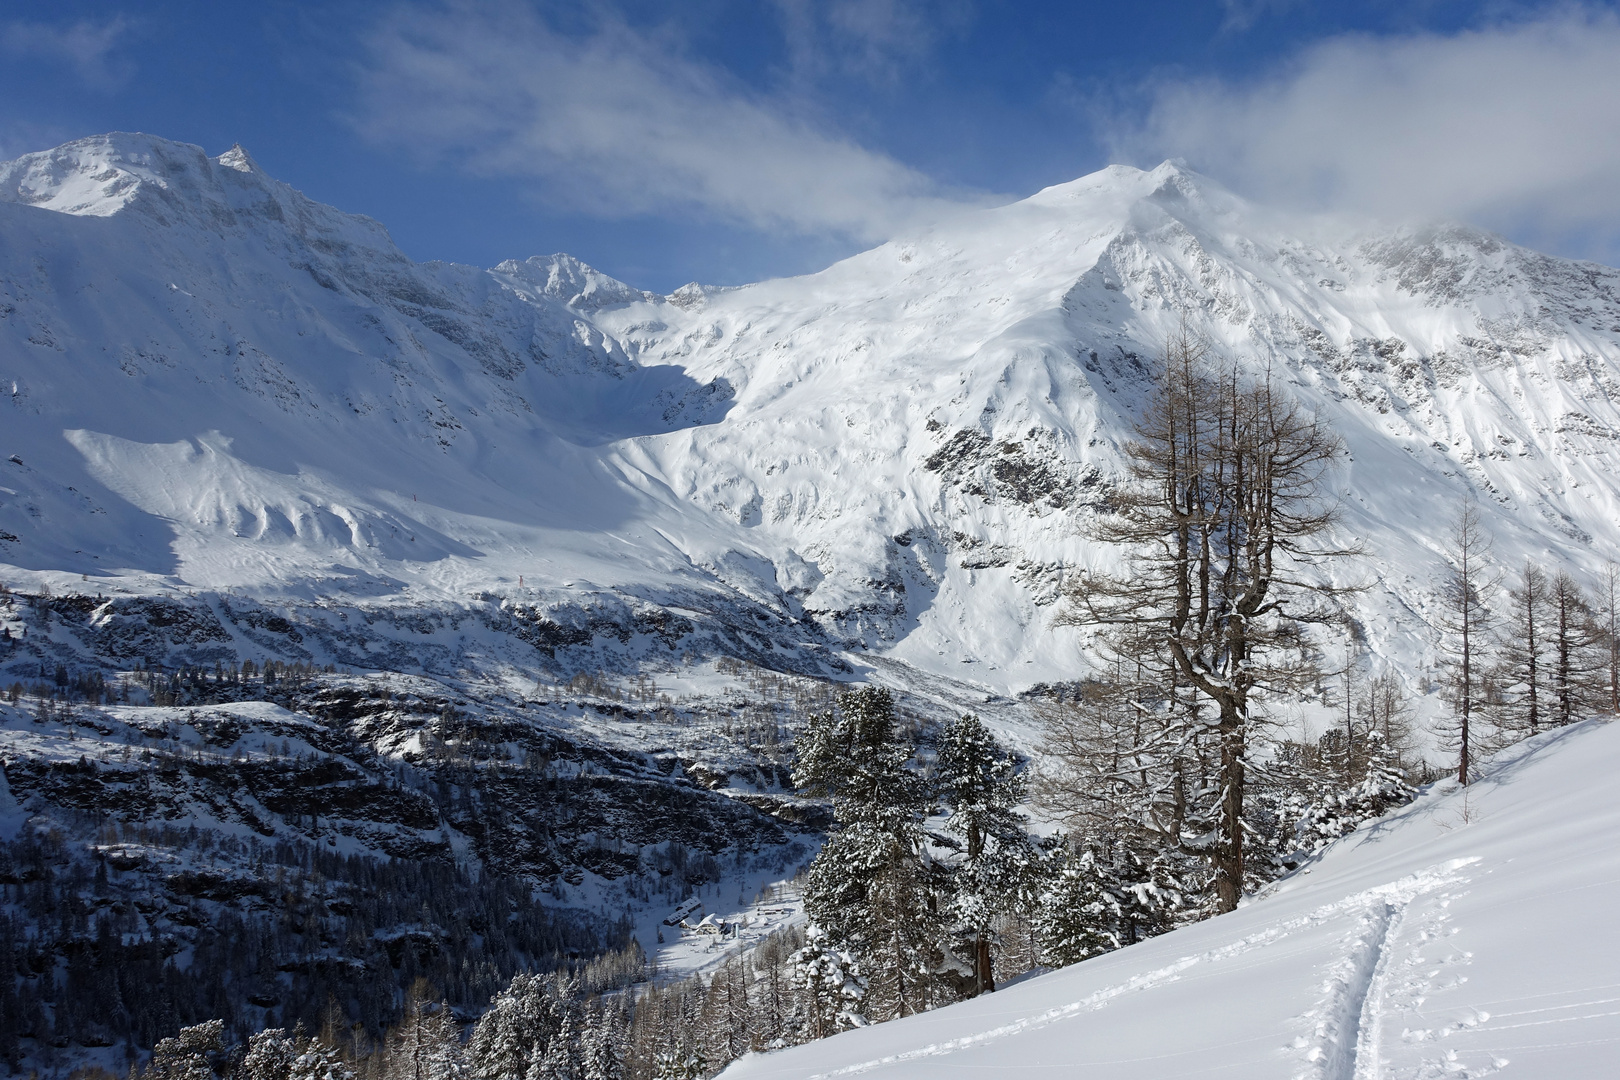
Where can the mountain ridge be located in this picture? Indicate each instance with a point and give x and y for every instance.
(893, 454)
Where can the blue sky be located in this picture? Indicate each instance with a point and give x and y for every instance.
(725, 141)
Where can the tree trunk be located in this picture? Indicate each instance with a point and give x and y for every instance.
(1229, 848)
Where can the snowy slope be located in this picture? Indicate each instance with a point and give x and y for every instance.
(958, 397)
(217, 384)
(1469, 935)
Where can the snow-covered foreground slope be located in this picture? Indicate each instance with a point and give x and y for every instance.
(1470, 934)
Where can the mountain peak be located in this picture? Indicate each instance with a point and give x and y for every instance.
(175, 184)
(1170, 180)
(564, 278)
(239, 159)
(100, 175)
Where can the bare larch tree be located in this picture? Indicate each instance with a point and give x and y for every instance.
(1466, 622)
(1225, 506)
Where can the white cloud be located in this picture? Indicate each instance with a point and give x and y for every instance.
(1516, 126)
(86, 47)
(620, 123)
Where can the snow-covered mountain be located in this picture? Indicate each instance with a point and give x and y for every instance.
(527, 571)
(217, 385)
(1466, 935)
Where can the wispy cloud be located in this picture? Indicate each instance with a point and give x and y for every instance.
(620, 122)
(877, 41)
(1515, 125)
(1243, 14)
(86, 47)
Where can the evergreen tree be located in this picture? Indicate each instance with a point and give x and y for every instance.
(274, 1055)
(981, 786)
(318, 1060)
(270, 1055)
(679, 1065)
(1337, 811)
(832, 987)
(515, 1031)
(1077, 915)
(598, 1049)
(872, 889)
(1148, 889)
(561, 1058)
(191, 1055)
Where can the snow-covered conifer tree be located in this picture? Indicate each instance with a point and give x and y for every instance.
(515, 1031)
(270, 1054)
(189, 1055)
(1077, 914)
(561, 1058)
(318, 1060)
(832, 987)
(871, 889)
(980, 784)
(1338, 810)
(679, 1065)
(598, 1049)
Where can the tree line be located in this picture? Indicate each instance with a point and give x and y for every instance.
(931, 889)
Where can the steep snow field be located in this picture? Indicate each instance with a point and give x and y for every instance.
(1470, 934)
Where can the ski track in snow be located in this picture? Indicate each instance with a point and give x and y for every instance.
(1382, 963)
(1369, 1027)
(1360, 992)
(1348, 1048)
